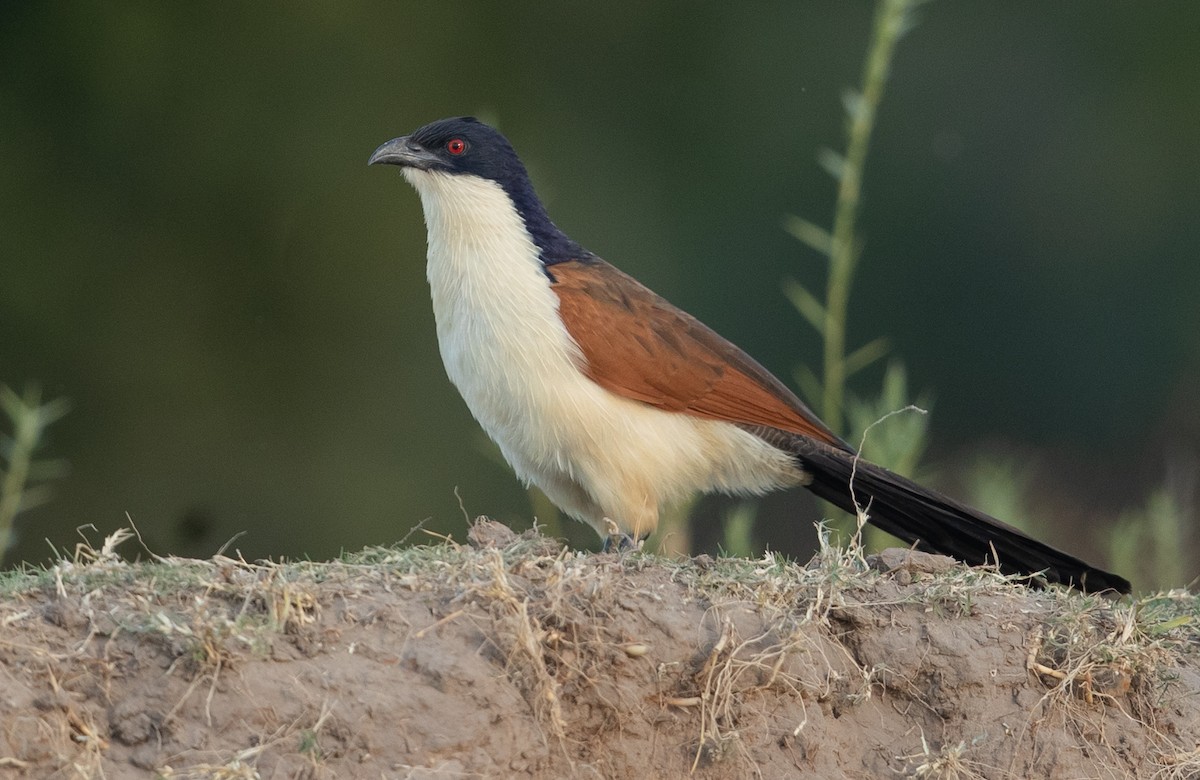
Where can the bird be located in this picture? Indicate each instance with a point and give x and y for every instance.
(616, 403)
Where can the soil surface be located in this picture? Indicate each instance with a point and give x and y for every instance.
(512, 657)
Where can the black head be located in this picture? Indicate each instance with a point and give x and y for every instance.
(465, 146)
(460, 145)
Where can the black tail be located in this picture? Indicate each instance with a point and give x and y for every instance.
(935, 522)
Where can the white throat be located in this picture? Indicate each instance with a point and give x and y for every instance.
(501, 339)
(486, 278)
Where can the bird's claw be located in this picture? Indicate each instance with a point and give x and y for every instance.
(619, 541)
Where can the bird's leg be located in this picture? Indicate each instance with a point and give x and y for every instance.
(621, 541)
(615, 537)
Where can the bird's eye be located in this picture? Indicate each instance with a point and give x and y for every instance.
(456, 146)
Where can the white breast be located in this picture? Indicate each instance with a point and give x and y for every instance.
(595, 454)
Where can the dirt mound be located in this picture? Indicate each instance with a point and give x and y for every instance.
(513, 657)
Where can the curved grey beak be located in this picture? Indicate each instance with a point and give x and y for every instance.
(401, 151)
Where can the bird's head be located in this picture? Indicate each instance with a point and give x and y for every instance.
(464, 150)
(459, 146)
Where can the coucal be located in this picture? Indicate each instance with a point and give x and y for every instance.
(616, 403)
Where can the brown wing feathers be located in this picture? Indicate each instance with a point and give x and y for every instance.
(637, 345)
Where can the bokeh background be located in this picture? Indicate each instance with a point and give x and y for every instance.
(194, 252)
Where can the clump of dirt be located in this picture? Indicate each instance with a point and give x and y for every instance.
(512, 656)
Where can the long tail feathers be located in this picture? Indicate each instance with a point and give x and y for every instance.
(935, 522)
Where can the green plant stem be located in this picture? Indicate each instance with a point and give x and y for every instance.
(890, 24)
(26, 429)
(29, 420)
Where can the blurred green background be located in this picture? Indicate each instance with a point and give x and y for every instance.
(195, 253)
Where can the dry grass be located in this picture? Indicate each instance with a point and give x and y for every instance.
(948, 763)
(558, 623)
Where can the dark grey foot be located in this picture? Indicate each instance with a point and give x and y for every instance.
(622, 543)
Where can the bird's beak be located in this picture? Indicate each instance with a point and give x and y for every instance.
(401, 151)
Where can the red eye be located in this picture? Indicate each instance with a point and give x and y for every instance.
(456, 146)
